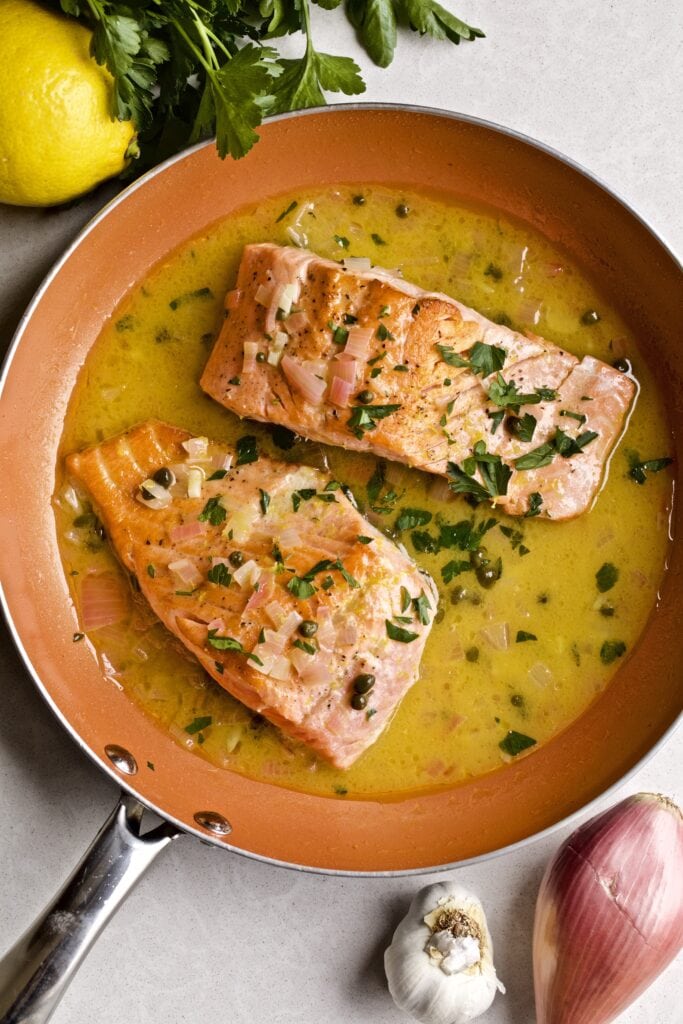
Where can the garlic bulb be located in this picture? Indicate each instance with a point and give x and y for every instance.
(609, 914)
(440, 962)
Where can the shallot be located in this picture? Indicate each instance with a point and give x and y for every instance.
(609, 915)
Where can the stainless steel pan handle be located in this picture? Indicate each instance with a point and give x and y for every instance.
(35, 972)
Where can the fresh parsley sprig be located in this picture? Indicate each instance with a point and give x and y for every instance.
(184, 70)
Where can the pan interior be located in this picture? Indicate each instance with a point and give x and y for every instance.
(459, 159)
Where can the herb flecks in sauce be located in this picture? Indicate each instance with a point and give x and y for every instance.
(175, 690)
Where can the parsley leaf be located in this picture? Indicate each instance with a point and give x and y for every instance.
(228, 643)
(495, 474)
(453, 568)
(220, 575)
(404, 636)
(485, 359)
(364, 417)
(611, 650)
(515, 742)
(638, 470)
(213, 512)
(247, 450)
(535, 502)
(606, 577)
(409, 518)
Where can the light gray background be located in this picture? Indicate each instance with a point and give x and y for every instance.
(213, 936)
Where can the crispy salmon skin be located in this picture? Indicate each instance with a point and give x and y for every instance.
(358, 357)
(270, 576)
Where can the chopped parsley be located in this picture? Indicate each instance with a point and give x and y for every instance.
(228, 643)
(541, 456)
(200, 293)
(264, 500)
(292, 206)
(364, 540)
(305, 494)
(525, 427)
(493, 271)
(484, 359)
(496, 418)
(523, 636)
(302, 645)
(606, 576)
(453, 568)
(364, 417)
(342, 241)
(247, 449)
(567, 446)
(423, 541)
(405, 599)
(409, 518)
(638, 470)
(515, 742)
(535, 502)
(197, 724)
(151, 571)
(302, 586)
(213, 512)
(611, 650)
(377, 239)
(235, 381)
(495, 474)
(578, 416)
(220, 575)
(403, 636)
(339, 333)
(219, 474)
(383, 333)
(422, 608)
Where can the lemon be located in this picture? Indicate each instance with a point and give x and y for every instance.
(57, 138)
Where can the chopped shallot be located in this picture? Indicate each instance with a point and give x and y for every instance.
(348, 634)
(158, 498)
(247, 574)
(186, 571)
(292, 622)
(222, 461)
(249, 358)
(186, 531)
(340, 392)
(356, 264)
(297, 321)
(300, 660)
(358, 342)
(195, 479)
(276, 641)
(345, 369)
(497, 635)
(317, 673)
(540, 674)
(302, 380)
(264, 294)
(275, 612)
(196, 447)
(216, 624)
(103, 601)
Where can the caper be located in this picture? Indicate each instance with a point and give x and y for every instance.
(365, 397)
(164, 477)
(86, 519)
(402, 210)
(260, 357)
(308, 628)
(487, 575)
(459, 594)
(517, 700)
(623, 365)
(236, 559)
(472, 654)
(358, 200)
(591, 316)
(147, 495)
(513, 425)
(478, 558)
(364, 682)
(359, 701)
(607, 610)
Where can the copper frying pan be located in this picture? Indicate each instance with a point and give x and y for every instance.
(473, 161)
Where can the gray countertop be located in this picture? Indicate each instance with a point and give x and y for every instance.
(208, 935)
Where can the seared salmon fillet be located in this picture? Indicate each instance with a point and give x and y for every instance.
(363, 359)
(270, 576)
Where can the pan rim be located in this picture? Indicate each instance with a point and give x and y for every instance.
(16, 340)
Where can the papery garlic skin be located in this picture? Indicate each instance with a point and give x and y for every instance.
(437, 976)
(609, 914)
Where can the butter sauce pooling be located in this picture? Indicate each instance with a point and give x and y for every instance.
(472, 694)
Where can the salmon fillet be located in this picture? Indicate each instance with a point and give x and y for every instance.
(305, 554)
(304, 337)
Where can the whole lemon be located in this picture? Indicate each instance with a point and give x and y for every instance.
(57, 138)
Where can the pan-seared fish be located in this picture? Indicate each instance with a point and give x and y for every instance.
(269, 575)
(358, 357)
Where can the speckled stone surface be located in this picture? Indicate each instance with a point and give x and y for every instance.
(209, 936)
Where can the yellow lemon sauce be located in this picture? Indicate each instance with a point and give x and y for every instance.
(483, 680)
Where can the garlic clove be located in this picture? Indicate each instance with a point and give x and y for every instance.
(439, 965)
(609, 914)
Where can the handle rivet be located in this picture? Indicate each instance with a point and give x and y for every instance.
(213, 822)
(121, 758)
